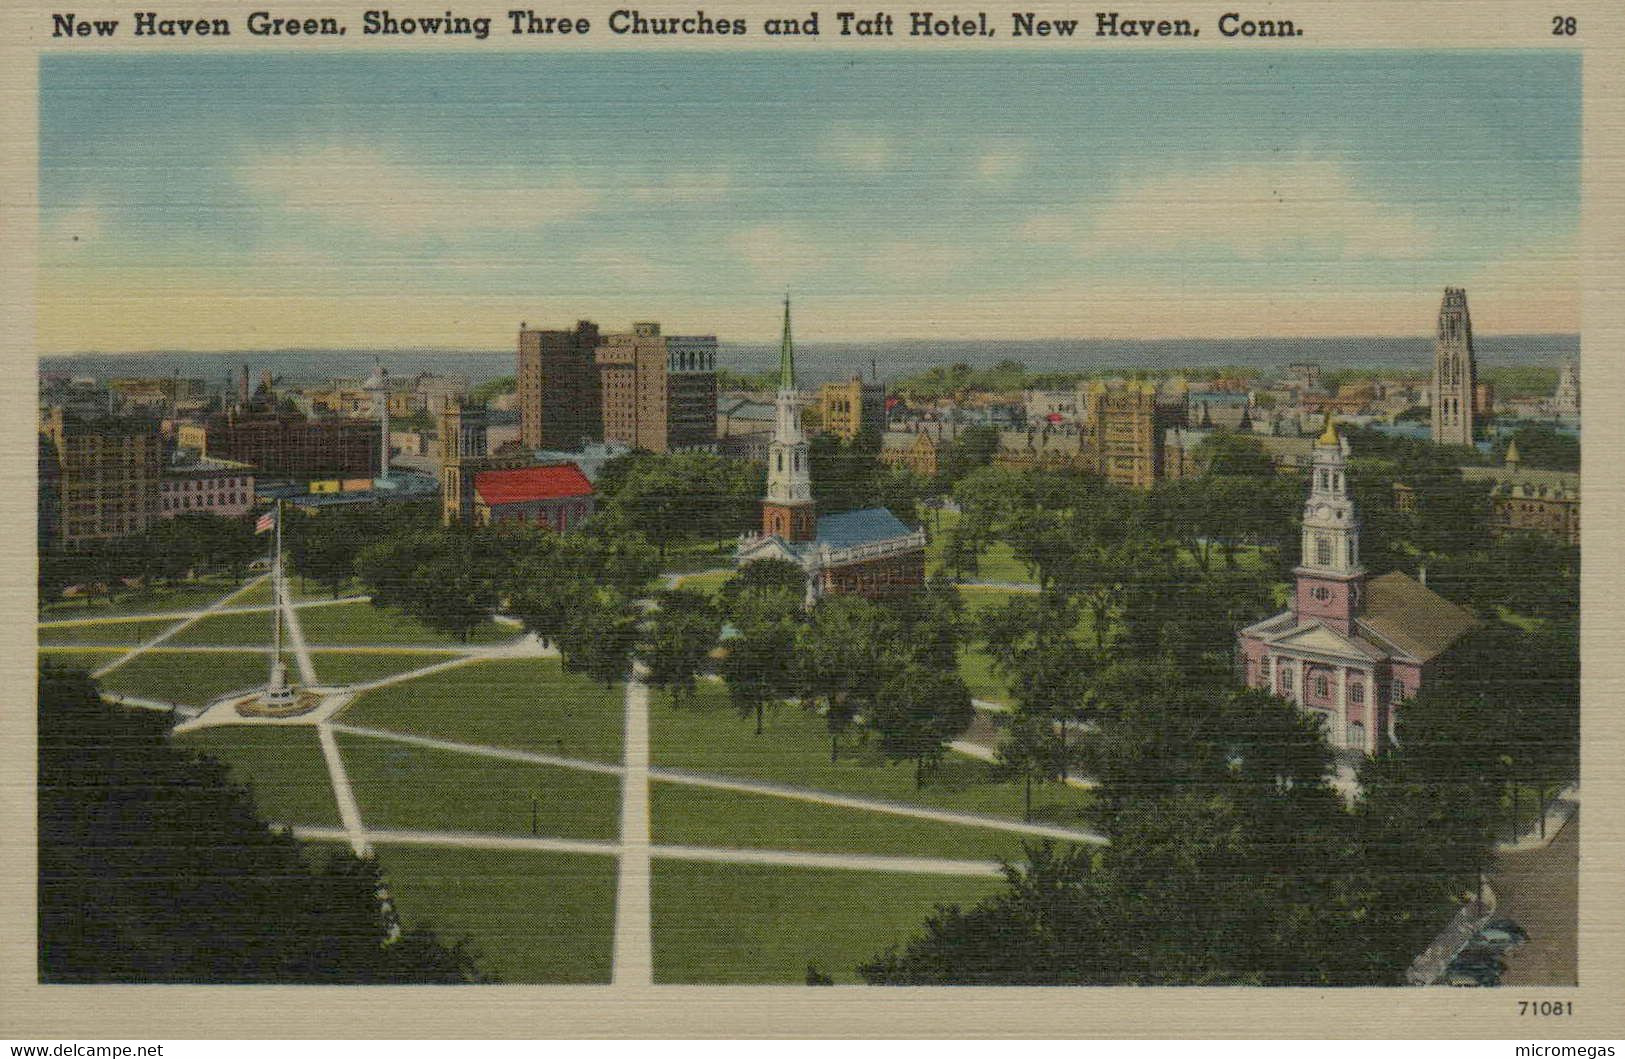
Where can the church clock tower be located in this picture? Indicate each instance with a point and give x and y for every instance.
(787, 510)
(1455, 375)
(1330, 577)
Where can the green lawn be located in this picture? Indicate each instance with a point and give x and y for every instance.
(794, 749)
(402, 786)
(189, 678)
(530, 918)
(228, 630)
(748, 924)
(260, 594)
(997, 563)
(363, 623)
(527, 703)
(685, 815)
(283, 766)
(104, 632)
(710, 583)
(182, 596)
(345, 667)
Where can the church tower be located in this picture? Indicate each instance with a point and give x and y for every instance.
(787, 510)
(1455, 376)
(1330, 576)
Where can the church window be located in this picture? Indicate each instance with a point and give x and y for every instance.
(1357, 693)
(1323, 551)
(1286, 678)
(781, 461)
(1397, 692)
(1321, 687)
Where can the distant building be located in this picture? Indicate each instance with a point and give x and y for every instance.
(106, 478)
(295, 447)
(868, 553)
(1126, 424)
(1049, 447)
(1566, 401)
(1526, 499)
(558, 387)
(1350, 649)
(557, 495)
(852, 407)
(919, 451)
(1218, 410)
(1455, 373)
(659, 393)
(1047, 407)
(199, 484)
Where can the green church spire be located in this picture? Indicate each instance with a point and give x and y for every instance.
(787, 353)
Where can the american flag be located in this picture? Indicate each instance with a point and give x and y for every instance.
(265, 523)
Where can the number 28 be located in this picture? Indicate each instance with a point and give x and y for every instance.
(1564, 26)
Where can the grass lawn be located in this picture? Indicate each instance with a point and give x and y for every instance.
(228, 630)
(527, 703)
(349, 667)
(363, 623)
(108, 632)
(283, 766)
(794, 749)
(700, 555)
(260, 594)
(684, 815)
(709, 583)
(192, 595)
(191, 679)
(401, 786)
(749, 924)
(997, 563)
(530, 918)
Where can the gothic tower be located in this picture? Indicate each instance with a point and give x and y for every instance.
(787, 510)
(1455, 376)
(1329, 574)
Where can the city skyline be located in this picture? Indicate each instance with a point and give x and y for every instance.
(300, 202)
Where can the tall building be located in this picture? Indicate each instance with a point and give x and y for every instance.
(868, 552)
(107, 475)
(1566, 401)
(1455, 375)
(659, 393)
(291, 445)
(557, 387)
(852, 407)
(1350, 648)
(1124, 428)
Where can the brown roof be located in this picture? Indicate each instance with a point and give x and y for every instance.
(1412, 617)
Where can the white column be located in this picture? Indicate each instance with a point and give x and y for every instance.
(1298, 695)
(1370, 711)
(1342, 705)
(1274, 689)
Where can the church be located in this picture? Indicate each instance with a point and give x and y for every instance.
(866, 553)
(1351, 648)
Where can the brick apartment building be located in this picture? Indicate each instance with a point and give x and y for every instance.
(558, 387)
(657, 392)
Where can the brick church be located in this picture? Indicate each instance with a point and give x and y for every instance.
(1351, 648)
(867, 553)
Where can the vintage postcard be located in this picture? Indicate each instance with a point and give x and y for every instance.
(761, 520)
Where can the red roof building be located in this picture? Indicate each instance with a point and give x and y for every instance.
(557, 495)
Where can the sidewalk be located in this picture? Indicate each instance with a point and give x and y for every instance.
(1564, 804)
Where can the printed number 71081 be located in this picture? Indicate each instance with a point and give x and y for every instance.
(1545, 1007)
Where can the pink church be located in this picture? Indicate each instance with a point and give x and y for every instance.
(1351, 648)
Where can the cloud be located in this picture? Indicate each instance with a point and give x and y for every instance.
(685, 187)
(1002, 164)
(778, 253)
(857, 149)
(1253, 211)
(363, 189)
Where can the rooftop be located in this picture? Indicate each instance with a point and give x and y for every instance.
(851, 528)
(1412, 617)
(526, 484)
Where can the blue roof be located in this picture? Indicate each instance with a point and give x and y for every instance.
(851, 528)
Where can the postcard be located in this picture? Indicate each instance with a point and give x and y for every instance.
(749, 520)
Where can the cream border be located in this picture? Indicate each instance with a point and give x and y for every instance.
(29, 1010)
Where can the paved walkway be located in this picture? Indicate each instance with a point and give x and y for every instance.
(349, 811)
(213, 612)
(296, 635)
(634, 935)
(504, 753)
(192, 616)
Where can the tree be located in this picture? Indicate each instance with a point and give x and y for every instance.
(678, 639)
(600, 637)
(919, 711)
(155, 867)
(758, 660)
(1240, 455)
(843, 654)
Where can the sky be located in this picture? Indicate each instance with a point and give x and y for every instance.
(368, 200)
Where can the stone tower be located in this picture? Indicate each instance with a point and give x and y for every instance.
(1329, 574)
(1455, 375)
(787, 510)
(1566, 402)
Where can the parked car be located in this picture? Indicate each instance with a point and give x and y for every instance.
(1480, 956)
(1501, 932)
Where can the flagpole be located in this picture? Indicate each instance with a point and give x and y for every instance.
(276, 591)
